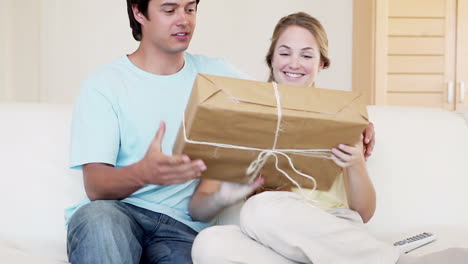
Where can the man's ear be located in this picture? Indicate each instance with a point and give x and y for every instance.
(138, 15)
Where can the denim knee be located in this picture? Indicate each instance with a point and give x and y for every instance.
(99, 215)
(104, 232)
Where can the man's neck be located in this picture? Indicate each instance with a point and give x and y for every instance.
(156, 61)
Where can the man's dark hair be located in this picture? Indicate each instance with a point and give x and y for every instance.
(142, 6)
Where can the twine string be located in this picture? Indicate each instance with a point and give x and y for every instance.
(264, 154)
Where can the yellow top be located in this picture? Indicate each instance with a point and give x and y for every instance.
(331, 199)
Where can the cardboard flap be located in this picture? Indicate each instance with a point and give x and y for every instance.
(316, 100)
(292, 97)
(209, 85)
(362, 109)
(236, 89)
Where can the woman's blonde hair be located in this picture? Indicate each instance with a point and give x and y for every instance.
(306, 21)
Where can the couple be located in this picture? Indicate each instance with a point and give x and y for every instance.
(146, 205)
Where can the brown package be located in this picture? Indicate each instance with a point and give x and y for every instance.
(243, 113)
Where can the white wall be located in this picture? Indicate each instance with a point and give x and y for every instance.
(59, 42)
(77, 37)
(19, 50)
(5, 37)
(24, 50)
(240, 31)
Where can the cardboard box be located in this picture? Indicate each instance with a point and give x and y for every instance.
(244, 113)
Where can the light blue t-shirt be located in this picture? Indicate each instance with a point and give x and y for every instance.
(117, 114)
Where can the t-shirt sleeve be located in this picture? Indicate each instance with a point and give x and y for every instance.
(95, 135)
(232, 71)
(221, 67)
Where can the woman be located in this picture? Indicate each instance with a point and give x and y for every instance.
(281, 227)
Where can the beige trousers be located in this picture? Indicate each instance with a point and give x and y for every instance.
(280, 227)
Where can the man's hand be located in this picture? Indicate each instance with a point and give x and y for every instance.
(369, 140)
(160, 169)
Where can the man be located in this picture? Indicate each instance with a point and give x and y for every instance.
(138, 193)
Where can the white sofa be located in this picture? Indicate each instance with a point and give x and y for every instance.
(419, 168)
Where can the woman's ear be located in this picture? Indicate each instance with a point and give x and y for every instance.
(321, 65)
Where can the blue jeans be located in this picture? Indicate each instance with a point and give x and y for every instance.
(116, 232)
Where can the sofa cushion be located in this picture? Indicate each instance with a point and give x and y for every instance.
(36, 182)
(418, 169)
(464, 114)
(15, 256)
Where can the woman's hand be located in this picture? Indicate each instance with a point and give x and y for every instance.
(349, 156)
(359, 188)
(230, 192)
(369, 140)
(212, 196)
